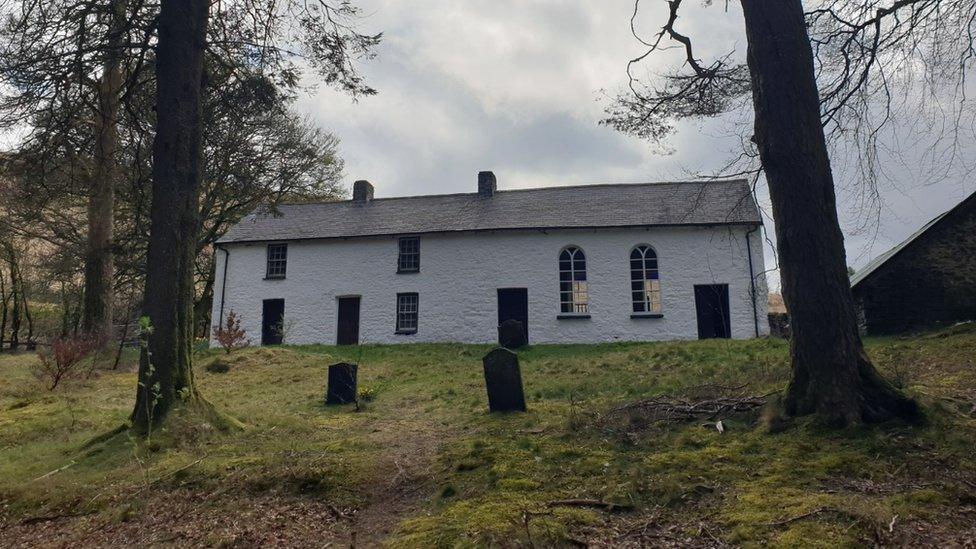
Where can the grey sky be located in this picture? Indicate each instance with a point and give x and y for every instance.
(515, 87)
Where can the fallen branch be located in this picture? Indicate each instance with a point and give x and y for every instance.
(170, 474)
(670, 409)
(58, 470)
(605, 505)
(49, 518)
(150, 483)
(808, 514)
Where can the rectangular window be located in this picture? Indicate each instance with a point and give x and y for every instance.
(407, 307)
(277, 260)
(409, 258)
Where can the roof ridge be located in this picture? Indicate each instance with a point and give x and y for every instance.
(527, 189)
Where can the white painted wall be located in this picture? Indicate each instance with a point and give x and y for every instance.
(460, 274)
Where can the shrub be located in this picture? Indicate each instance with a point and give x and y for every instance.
(62, 360)
(231, 336)
(218, 366)
(365, 394)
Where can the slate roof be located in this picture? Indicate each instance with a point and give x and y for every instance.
(588, 206)
(883, 258)
(877, 262)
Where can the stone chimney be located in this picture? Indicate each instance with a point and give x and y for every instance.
(486, 183)
(362, 191)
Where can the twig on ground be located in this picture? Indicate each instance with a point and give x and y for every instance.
(576, 541)
(49, 518)
(791, 520)
(338, 514)
(666, 408)
(171, 473)
(817, 511)
(58, 470)
(605, 505)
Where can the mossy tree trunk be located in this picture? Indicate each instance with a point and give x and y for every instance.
(99, 293)
(14, 300)
(832, 375)
(165, 372)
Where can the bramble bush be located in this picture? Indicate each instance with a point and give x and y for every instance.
(230, 335)
(63, 359)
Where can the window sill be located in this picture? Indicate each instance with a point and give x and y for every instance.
(572, 317)
(647, 315)
(405, 332)
(407, 271)
(274, 278)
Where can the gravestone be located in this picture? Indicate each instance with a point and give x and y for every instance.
(503, 380)
(511, 334)
(342, 383)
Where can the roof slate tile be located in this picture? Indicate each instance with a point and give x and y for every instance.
(727, 202)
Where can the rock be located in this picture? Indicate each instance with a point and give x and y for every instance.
(511, 334)
(503, 380)
(342, 383)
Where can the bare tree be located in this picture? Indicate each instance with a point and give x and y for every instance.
(841, 70)
(67, 65)
(70, 67)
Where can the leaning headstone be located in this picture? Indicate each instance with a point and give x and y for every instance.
(503, 380)
(511, 334)
(342, 383)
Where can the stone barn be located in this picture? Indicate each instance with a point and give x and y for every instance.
(928, 280)
(573, 264)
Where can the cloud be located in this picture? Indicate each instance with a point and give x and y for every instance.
(514, 87)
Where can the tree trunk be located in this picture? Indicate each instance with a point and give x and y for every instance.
(65, 311)
(31, 344)
(203, 305)
(832, 375)
(166, 375)
(4, 299)
(15, 302)
(99, 267)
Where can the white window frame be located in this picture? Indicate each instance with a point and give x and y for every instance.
(578, 303)
(407, 313)
(412, 256)
(276, 261)
(650, 301)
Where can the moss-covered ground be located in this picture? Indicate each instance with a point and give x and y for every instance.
(422, 464)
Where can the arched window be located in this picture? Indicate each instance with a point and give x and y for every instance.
(645, 287)
(573, 296)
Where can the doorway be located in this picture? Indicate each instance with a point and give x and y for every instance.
(513, 303)
(347, 332)
(712, 308)
(272, 321)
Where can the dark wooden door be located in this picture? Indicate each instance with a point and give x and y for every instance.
(513, 303)
(272, 321)
(348, 330)
(712, 307)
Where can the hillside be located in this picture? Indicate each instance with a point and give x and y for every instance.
(423, 465)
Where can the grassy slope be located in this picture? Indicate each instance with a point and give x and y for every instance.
(424, 465)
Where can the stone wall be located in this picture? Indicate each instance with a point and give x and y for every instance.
(931, 282)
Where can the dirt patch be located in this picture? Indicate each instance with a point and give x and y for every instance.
(400, 484)
(188, 518)
(403, 479)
